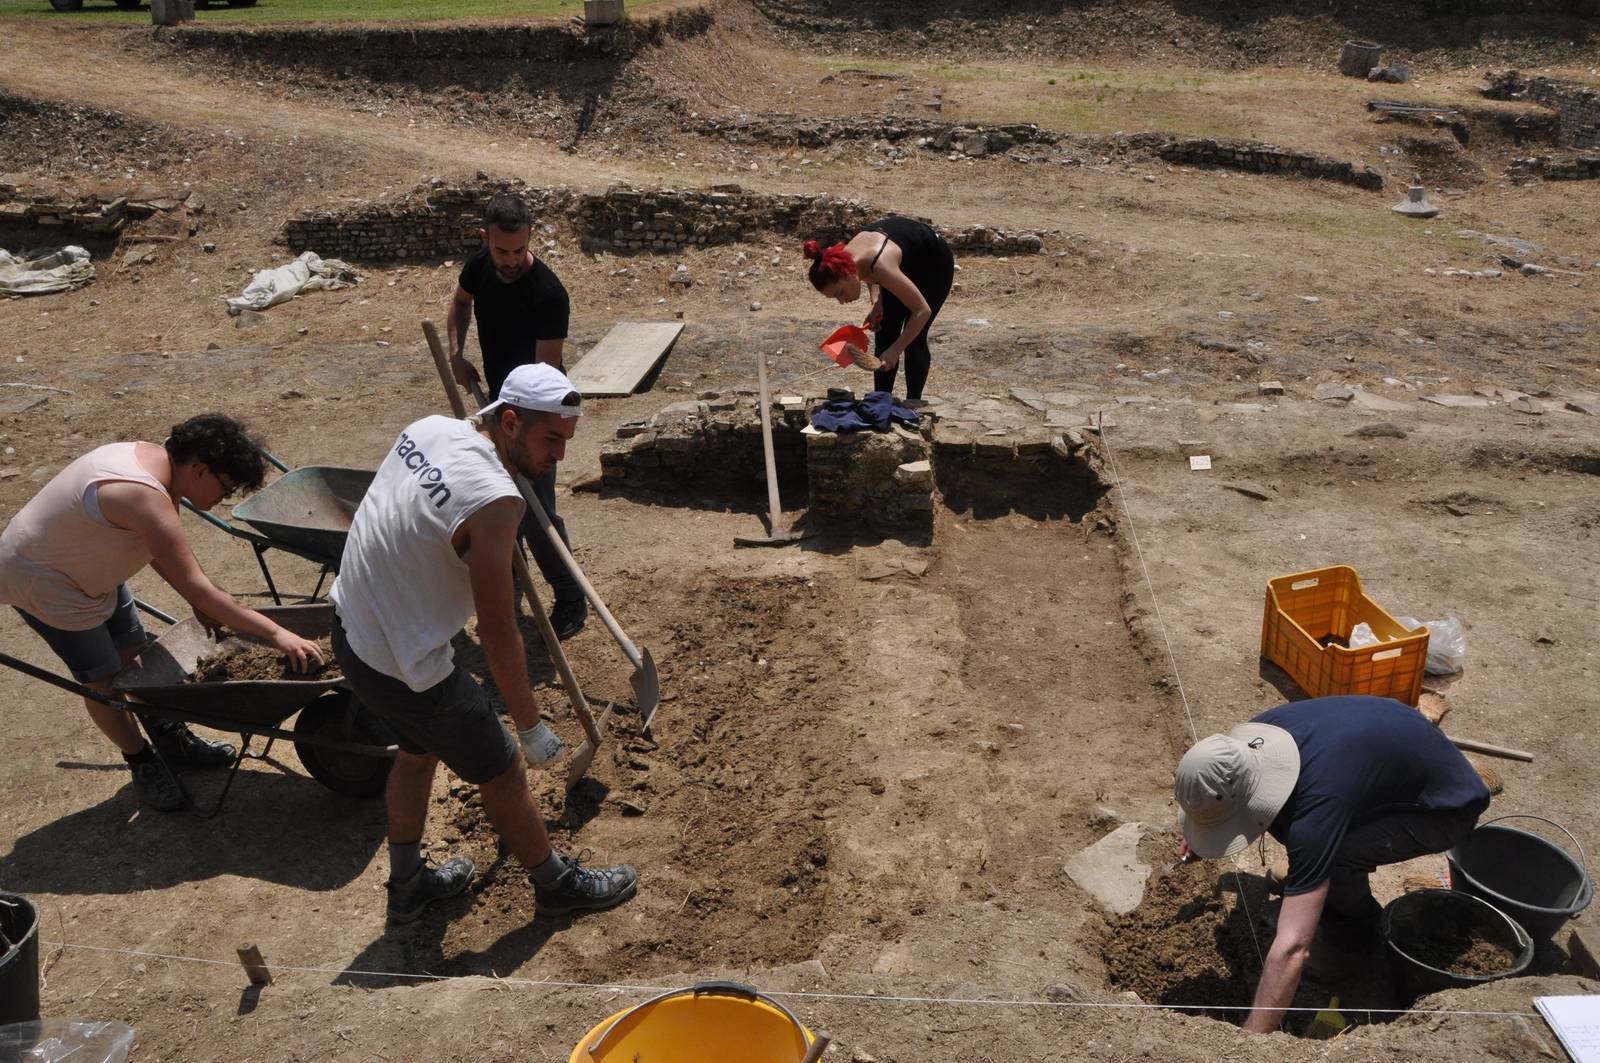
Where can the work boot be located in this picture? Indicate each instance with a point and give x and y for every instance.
(586, 889)
(427, 884)
(155, 787)
(181, 747)
(568, 617)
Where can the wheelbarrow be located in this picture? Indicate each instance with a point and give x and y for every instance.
(305, 512)
(342, 745)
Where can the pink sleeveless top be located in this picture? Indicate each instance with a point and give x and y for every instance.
(60, 560)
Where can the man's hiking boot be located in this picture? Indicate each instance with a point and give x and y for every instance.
(567, 617)
(181, 747)
(407, 899)
(155, 787)
(586, 889)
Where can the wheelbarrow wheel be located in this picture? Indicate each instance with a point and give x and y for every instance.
(342, 771)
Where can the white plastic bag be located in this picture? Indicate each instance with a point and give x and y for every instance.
(60, 1040)
(1447, 643)
(1361, 635)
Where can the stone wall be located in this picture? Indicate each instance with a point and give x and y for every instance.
(711, 445)
(1578, 105)
(1255, 157)
(869, 481)
(439, 220)
(37, 211)
(979, 454)
(1583, 166)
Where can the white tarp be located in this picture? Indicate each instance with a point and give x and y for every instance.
(48, 269)
(308, 273)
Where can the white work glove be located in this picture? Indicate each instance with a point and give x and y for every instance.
(540, 745)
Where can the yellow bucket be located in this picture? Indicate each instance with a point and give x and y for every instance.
(713, 1022)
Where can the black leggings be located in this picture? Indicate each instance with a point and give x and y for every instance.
(934, 283)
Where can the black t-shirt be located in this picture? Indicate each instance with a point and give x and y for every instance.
(513, 318)
(1360, 758)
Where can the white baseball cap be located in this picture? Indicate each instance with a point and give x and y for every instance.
(539, 387)
(1231, 787)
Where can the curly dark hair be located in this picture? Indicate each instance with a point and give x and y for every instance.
(222, 445)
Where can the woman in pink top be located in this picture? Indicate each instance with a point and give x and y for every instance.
(66, 556)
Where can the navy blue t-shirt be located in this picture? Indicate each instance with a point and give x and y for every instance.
(513, 318)
(1361, 758)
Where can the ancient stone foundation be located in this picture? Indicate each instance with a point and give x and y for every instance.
(1577, 104)
(1254, 157)
(41, 212)
(440, 220)
(978, 455)
(1576, 166)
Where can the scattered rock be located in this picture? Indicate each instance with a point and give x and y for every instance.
(292, 394)
(1270, 387)
(1366, 400)
(249, 319)
(1380, 430)
(1458, 402)
(209, 248)
(1250, 490)
(1333, 393)
(755, 306)
(1588, 404)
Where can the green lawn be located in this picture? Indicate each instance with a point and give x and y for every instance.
(312, 10)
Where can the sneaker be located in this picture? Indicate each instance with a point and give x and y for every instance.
(586, 889)
(428, 884)
(568, 617)
(182, 747)
(156, 787)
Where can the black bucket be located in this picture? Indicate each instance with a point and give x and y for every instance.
(1531, 879)
(19, 963)
(1413, 919)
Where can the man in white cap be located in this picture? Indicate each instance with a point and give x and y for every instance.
(431, 545)
(1345, 784)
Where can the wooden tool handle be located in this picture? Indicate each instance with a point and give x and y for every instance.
(1492, 751)
(557, 655)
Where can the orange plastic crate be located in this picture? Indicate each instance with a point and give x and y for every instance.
(1306, 607)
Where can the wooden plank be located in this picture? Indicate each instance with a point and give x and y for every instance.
(616, 364)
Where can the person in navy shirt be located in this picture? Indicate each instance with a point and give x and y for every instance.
(1346, 784)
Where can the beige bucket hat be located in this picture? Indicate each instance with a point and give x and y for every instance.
(1231, 787)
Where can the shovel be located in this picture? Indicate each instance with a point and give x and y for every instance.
(579, 765)
(645, 681)
(778, 533)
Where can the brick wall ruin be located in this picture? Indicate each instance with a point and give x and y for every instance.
(893, 135)
(1254, 157)
(982, 455)
(34, 213)
(1578, 105)
(440, 220)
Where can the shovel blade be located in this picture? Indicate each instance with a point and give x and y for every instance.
(578, 766)
(646, 687)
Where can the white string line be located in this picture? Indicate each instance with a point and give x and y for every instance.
(1122, 494)
(1172, 658)
(872, 998)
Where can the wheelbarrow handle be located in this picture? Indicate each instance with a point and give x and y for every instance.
(146, 607)
(35, 672)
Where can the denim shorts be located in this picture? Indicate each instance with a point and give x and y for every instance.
(95, 654)
(451, 720)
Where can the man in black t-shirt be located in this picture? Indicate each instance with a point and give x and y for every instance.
(1346, 784)
(522, 310)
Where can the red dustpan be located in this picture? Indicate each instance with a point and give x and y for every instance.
(834, 345)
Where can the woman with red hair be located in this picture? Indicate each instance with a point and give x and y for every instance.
(907, 268)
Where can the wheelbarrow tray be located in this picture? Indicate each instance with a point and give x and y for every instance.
(157, 677)
(309, 509)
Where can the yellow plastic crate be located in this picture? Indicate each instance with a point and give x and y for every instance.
(1307, 607)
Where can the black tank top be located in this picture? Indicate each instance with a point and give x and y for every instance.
(920, 247)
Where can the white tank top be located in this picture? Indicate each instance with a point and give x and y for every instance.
(402, 593)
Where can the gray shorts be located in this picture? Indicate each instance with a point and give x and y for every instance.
(96, 653)
(451, 720)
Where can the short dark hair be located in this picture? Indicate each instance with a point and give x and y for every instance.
(222, 445)
(507, 213)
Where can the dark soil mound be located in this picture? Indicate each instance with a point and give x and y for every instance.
(234, 663)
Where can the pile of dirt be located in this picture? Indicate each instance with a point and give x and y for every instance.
(1190, 941)
(71, 139)
(1461, 949)
(236, 662)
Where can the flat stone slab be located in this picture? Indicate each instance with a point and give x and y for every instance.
(1366, 400)
(1110, 871)
(1333, 393)
(1030, 398)
(1459, 402)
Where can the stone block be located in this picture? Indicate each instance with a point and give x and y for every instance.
(995, 448)
(1110, 871)
(914, 472)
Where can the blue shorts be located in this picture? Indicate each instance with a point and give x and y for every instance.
(452, 720)
(95, 654)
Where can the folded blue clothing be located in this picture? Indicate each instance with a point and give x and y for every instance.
(875, 410)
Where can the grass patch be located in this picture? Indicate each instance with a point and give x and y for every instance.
(270, 11)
